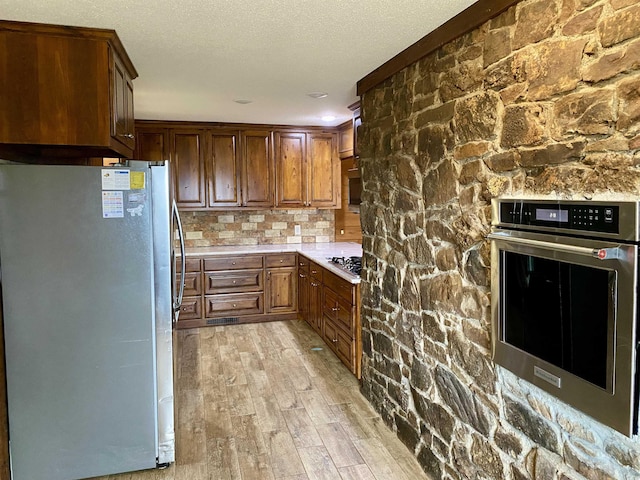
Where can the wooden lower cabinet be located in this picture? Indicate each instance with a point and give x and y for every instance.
(229, 289)
(330, 305)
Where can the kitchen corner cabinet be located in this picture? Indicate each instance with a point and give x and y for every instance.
(331, 306)
(307, 170)
(231, 289)
(66, 92)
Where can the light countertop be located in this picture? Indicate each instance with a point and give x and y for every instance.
(320, 253)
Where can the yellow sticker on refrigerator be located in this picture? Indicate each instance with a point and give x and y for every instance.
(137, 180)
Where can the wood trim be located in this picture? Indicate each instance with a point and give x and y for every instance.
(464, 22)
(177, 124)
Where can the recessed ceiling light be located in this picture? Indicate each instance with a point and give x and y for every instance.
(318, 94)
(243, 101)
(328, 118)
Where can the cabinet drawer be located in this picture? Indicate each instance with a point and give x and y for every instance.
(280, 260)
(191, 308)
(341, 286)
(234, 305)
(338, 310)
(192, 284)
(316, 271)
(190, 265)
(339, 342)
(303, 262)
(232, 263)
(233, 281)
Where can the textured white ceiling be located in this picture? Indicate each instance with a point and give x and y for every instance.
(195, 57)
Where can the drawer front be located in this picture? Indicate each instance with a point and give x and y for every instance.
(280, 260)
(232, 263)
(191, 308)
(315, 271)
(192, 284)
(329, 303)
(192, 264)
(234, 281)
(234, 305)
(303, 262)
(339, 342)
(339, 285)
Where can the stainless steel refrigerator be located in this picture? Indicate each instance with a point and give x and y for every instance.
(86, 278)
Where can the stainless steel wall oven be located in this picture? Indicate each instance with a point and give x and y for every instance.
(564, 302)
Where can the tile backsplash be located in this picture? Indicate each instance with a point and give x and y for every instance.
(257, 227)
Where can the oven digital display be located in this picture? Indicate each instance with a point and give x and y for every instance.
(552, 215)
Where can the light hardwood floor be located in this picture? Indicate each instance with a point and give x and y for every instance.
(259, 402)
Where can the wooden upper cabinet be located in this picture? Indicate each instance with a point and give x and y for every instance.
(323, 190)
(122, 104)
(64, 92)
(222, 169)
(307, 170)
(291, 152)
(257, 169)
(345, 140)
(188, 168)
(152, 144)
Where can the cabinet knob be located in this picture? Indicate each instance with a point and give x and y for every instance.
(281, 260)
(302, 275)
(234, 282)
(233, 263)
(127, 135)
(234, 305)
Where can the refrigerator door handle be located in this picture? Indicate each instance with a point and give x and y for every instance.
(178, 301)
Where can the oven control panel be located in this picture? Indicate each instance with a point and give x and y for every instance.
(579, 216)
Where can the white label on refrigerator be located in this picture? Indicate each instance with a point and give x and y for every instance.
(113, 179)
(112, 204)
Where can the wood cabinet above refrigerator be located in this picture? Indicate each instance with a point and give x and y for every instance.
(64, 92)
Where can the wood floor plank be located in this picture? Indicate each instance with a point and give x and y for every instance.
(190, 428)
(317, 407)
(222, 459)
(232, 365)
(301, 427)
(285, 459)
(318, 464)
(357, 472)
(281, 385)
(240, 400)
(343, 452)
(247, 427)
(380, 461)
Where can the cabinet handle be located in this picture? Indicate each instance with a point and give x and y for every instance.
(335, 309)
(302, 275)
(314, 284)
(127, 135)
(335, 340)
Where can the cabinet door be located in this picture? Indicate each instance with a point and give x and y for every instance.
(188, 168)
(323, 171)
(304, 291)
(152, 144)
(315, 304)
(222, 169)
(257, 169)
(282, 290)
(290, 169)
(122, 104)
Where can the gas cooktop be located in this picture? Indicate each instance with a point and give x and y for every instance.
(350, 264)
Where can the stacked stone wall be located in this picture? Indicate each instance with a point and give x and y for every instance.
(543, 100)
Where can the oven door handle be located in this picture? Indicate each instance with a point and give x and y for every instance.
(599, 253)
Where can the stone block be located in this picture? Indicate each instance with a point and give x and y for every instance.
(461, 401)
(583, 22)
(535, 22)
(442, 292)
(531, 424)
(437, 419)
(429, 462)
(587, 463)
(629, 105)
(440, 185)
(508, 443)
(471, 171)
(433, 143)
(553, 154)
(461, 80)
(408, 433)
(472, 149)
(523, 125)
(486, 458)
(621, 26)
(609, 65)
(476, 117)
(546, 464)
(589, 112)
(553, 67)
(497, 45)
(503, 162)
